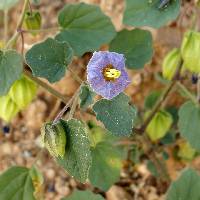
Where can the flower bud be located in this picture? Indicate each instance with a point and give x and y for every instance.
(54, 138)
(33, 21)
(23, 91)
(170, 64)
(190, 51)
(8, 108)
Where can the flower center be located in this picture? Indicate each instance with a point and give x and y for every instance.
(110, 73)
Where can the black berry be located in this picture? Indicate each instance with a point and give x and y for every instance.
(194, 79)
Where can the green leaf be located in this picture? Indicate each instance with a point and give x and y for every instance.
(117, 115)
(49, 59)
(159, 125)
(136, 45)
(135, 154)
(189, 123)
(186, 152)
(186, 187)
(106, 165)
(146, 13)
(77, 158)
(11, 66)
(151, 99)
(169, 138)
(86, 97)
(152, 168)
(7, 4)
(85, 27)
(15, 184)
(83, 195)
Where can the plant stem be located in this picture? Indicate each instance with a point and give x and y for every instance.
(47, 87)
(68, 104)
(19, 26)
(75, 76)
(74, 104)
(5, 25)
(41, 30)
(149, 147)
(187, 92)
(162, 98)
(159, 164)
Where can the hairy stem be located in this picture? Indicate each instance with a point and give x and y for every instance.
(5, 25)
(75, 76)
(47, 87)
(74, 104)
(67, 106)
(187, 92)
(41, 30)
(19, 26)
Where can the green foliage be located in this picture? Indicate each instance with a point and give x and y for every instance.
(116, 114)
(170, 64)
(38, 180)
(159, 125)
(7, 4)
(83, 195)
(54, 138)
(106, 165)
(190, 49)
(23, 91)
(96, 134)
(77, 158)
(186, 187)
(84, 27)
(169, 138)
(151, 99)
(15, 184)
(20, 95)
(86, 96)
(189, 123)
(8, 108)
(136, 45)
(147, 13)
(49, 59)
(152, 168)
(11, 66)
(186, 152)
(135, 154)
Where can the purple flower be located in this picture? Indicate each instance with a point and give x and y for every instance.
(106, 73)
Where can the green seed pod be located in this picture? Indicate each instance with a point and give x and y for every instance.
(190, 51)
(54, 138)
(159, 125)
(23, 91)
(8, 108)
(33, 21)
(170, 64)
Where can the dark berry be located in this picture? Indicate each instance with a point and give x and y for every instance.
(6, 129)
(194, 79)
